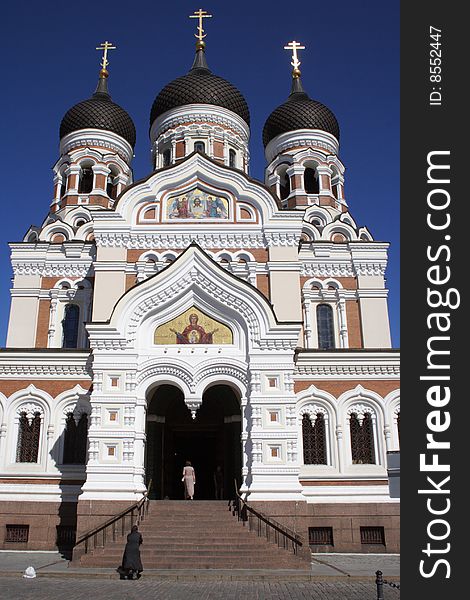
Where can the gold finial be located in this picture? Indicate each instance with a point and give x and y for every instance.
(200, 35)
(294, 46)
(105, 46)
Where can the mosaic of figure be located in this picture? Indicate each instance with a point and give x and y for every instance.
(197, 205)
(194, 333)
(193, 327)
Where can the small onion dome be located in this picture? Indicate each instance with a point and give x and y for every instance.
(200, 86)
(99, 112)
(299, 112)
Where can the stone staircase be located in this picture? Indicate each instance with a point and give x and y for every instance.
(197, 535)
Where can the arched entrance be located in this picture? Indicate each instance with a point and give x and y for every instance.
(211, 439)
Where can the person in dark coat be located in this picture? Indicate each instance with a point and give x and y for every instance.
(131, 563)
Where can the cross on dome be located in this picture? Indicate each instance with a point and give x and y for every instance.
(200, 35)
(294, 46)
(105, 46)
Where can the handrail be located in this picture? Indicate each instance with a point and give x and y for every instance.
(137, 511)
(282, 534)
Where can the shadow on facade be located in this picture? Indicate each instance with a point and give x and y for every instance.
(69, 454)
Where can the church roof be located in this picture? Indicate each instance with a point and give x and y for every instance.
(99, 112)
(299, 112)
(200, 86)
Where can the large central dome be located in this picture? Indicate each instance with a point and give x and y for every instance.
(200, 86)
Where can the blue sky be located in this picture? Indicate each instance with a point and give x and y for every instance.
(351, 64)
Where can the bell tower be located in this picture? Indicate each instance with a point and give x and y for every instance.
(301, 140)
(97, 139)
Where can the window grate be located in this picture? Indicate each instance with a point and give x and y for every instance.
(66, 535)
(373, 535)
(320, 536)
(17, 533)
(362, 440)
(314, 440)
(28, 438)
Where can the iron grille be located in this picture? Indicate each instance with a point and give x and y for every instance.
(17, 533)
(66, 535)
(28, 439)
(75, 440)
(373, 535)
(314, 440)
(362, 440)
(320, 536)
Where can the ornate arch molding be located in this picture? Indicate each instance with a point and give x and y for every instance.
(29, 398)
(75, 401)
(196, 274)
(166, 372)
(313, 398)
(198, 168)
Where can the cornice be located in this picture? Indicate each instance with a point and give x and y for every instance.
(204, 113)
(97, 138)
(301, 138)
(347, 365)
(16, 364)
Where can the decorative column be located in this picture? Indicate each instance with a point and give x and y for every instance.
(340, 446)
(307, 321)
(343, 327)
(53, 294)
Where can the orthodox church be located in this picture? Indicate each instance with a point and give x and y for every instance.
(199, 314)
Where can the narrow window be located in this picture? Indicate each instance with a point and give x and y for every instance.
(314, 440)
(398, 426)
(325, 327)
(362, 440)
(70, 326)
(232, 156)
(85, 184)
(199, 147)
(284, 186)
(28, 438)
(75, 440)
(167, 157)
(311, 181)
(63, 184)
(111, 187)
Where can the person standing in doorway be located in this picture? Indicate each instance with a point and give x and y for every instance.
(189, 479)
(219, 483)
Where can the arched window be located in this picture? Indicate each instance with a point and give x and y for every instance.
(199, 147)
(362, 440)
(167, 157)
(398, 425)
(63, 184)
(325, 327)
(70, 326)
(232, 158)
(75, 440)
(314, 440)
(28, 438)
(284, 186)
(311, 181)
(111, 186)
(85, 183)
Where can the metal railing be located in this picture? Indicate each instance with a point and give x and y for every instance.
(114, 528)
(264, 525)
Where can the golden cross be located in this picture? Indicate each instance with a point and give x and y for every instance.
(294, 46)
(200, 14)
(105, 46)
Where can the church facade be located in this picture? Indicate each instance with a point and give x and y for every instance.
(199, 314)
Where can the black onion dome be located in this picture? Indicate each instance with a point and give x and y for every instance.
(299, 112)
(99, 112)
(200, 86)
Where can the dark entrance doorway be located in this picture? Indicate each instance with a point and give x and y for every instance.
(212, 439)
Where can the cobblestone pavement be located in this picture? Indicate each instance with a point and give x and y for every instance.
(56, 588)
